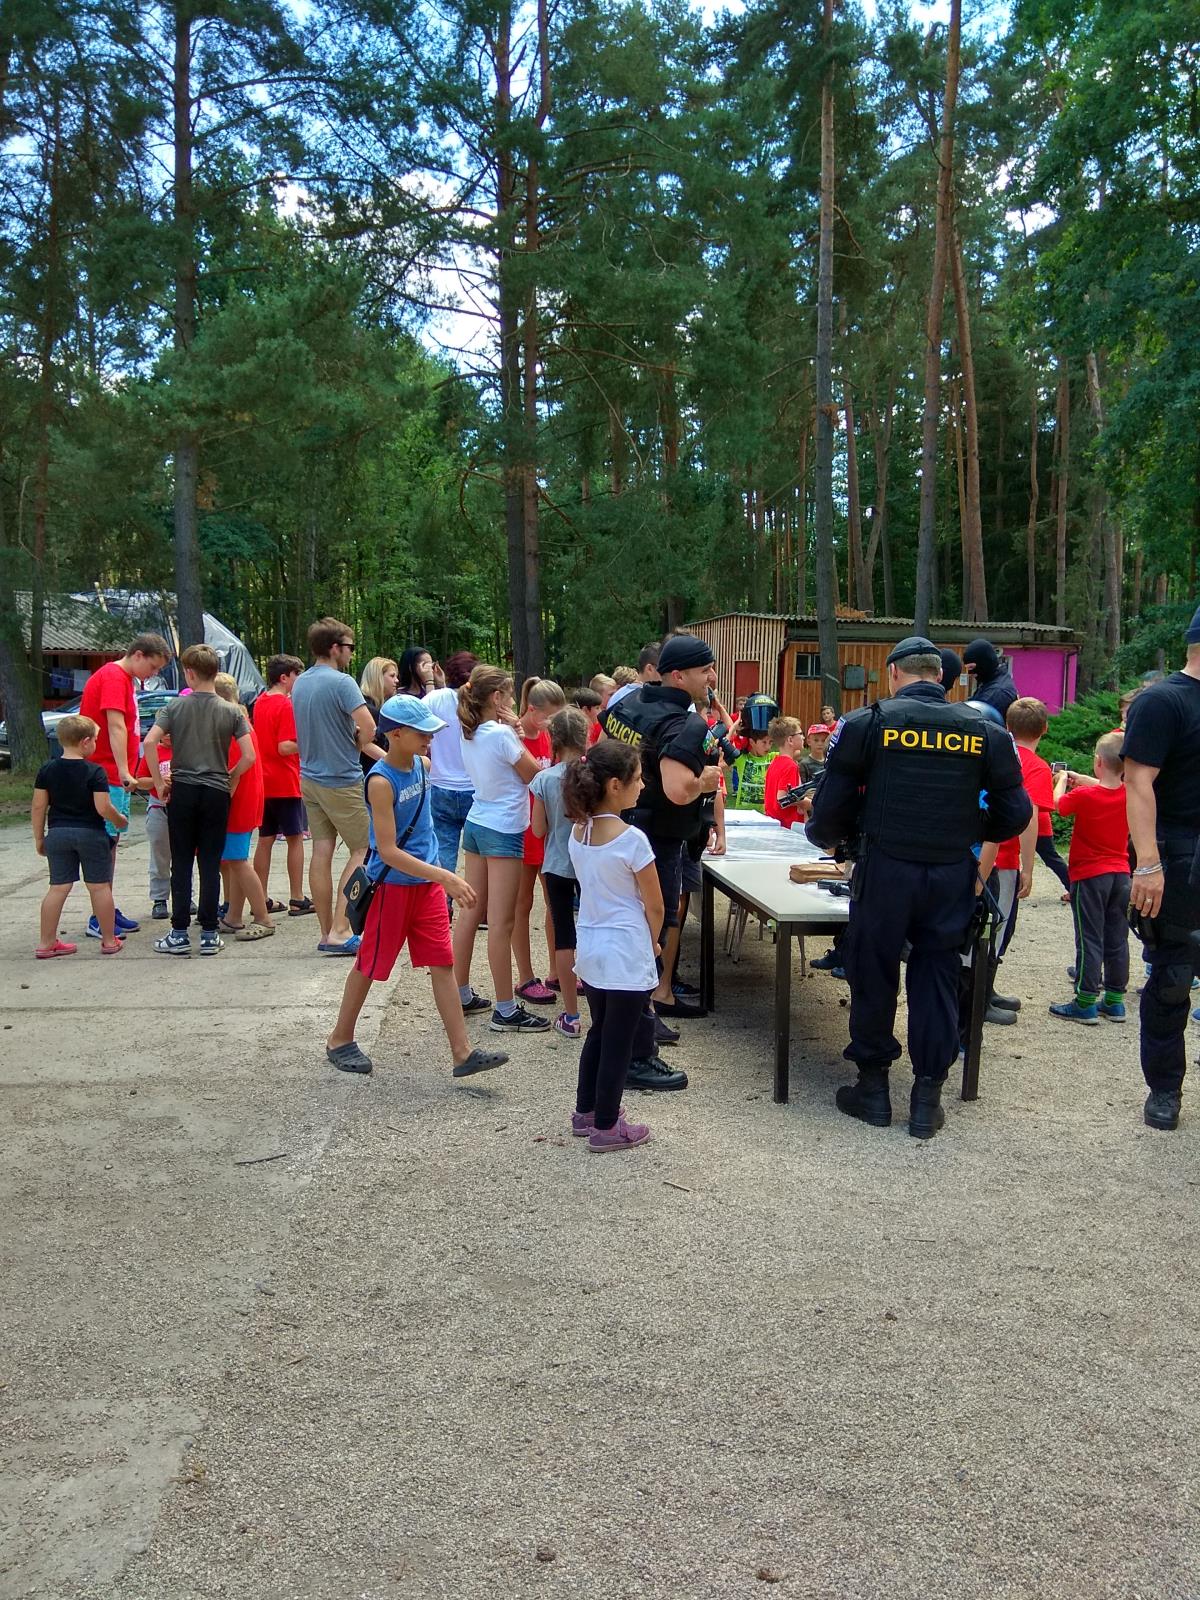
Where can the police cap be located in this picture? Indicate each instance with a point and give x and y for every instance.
(916, 645)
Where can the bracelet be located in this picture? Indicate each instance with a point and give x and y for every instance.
(1145, 872)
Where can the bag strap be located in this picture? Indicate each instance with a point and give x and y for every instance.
(408, 832)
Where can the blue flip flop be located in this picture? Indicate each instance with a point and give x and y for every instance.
(350, 948)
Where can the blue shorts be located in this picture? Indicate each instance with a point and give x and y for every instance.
(237, 847)
(480, 841)
(118, 794)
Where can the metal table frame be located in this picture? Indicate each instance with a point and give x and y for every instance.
(787, 928)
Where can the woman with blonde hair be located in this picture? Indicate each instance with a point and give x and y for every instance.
(500, 769)
(541, 698)
(379, 682)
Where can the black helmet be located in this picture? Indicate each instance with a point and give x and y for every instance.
(757, 713)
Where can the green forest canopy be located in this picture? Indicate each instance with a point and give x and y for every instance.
(232, 235)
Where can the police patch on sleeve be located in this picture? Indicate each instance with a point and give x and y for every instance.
(835, 735)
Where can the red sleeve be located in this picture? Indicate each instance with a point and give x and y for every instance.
(1069, 803)
(595, 734)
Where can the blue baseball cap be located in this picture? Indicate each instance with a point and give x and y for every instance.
(406, 711)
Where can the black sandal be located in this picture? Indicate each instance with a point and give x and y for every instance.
(301, 908)
(275, 907)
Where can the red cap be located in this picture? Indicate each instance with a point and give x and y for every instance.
(818, 727)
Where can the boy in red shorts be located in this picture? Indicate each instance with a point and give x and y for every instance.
(409, 905)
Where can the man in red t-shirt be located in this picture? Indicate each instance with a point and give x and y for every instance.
(1100, 879)
(108, 698)
(283, 809)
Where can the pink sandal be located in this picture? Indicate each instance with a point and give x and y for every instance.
(58, 948)
(112, 949)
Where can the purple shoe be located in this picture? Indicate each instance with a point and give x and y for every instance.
(621, 1136)
(569, 1027)
(584, 1122)
(536, 992)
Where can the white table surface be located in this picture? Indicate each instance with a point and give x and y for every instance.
(768, 885)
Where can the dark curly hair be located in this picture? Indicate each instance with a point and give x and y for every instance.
(584, 782)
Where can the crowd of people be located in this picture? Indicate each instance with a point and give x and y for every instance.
(580, 817)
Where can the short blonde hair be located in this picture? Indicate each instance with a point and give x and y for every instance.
(1108, 751)
(74, 730)
(781, 728)
(601, 682)
(623, 676)
(226, 686)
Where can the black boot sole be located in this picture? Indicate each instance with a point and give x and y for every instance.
(872, 1119)
(926, 1130)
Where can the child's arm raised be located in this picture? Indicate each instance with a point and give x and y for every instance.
(383, 816)
(652, 902)
(37, 816)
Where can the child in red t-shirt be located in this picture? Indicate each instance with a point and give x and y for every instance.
(283, 809)
(787, 739)
(245, 815)
(540, 699)
(1099, 868)
(1013, 860)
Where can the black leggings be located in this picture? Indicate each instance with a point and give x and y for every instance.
(1048, 852)
(196, 820)
(561, 894)
(607, 1051)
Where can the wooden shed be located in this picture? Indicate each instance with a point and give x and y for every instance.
(775, 655)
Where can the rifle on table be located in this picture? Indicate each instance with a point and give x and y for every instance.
(981, 947)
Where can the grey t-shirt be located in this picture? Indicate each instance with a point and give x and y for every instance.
(324, 702)
(200, 727)
(548, 788)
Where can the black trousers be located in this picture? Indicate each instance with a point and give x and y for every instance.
(608, 1050)
(1100, 908)
(1167, 997)
(196, 819)
(927, 906)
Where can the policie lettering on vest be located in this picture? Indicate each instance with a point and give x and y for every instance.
(969, 744)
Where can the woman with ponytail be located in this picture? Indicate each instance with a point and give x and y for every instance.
(620, 913)
(500, 770)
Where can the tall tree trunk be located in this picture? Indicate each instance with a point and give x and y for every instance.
(19, 691)
(47, 342)
(512, 402)
(927, 528)
(831, 678)
(974, 576)
(960, 477)
(1137, 582)
(802, 535)
(880, 541)
(1032, 519)
(1062, 489)
(189, 608)
(858, 584)
(1109, 537)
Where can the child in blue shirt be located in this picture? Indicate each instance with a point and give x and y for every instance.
(409, 904)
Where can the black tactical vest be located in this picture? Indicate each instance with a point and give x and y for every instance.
(926, 773)
(646, 722)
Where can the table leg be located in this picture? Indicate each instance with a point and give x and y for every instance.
(707, 962)
(783, 1009)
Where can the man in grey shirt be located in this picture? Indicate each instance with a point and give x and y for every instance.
(333, 728)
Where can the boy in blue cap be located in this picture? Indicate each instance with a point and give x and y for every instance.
(409, 904)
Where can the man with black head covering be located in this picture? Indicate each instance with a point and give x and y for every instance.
(993, 681)
(1162, 797)
(951, 668)
(902, 786)
(680, 760)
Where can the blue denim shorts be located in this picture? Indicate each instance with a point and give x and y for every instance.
(237, 847)
(481, 841)
(119, 795)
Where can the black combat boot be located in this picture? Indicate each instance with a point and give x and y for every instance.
(1162, 1109)
(868, 1099)
(925, 1114)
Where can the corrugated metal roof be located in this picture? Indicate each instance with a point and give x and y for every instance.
(73, 626)
(968, 630)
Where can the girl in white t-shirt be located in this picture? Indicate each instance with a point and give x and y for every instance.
(500, 769)
(620, 911)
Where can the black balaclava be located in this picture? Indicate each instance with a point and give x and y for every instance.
(983, 656)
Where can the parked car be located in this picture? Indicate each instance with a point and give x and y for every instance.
(149, 703)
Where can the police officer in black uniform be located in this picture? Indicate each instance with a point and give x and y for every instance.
(902, 790)
(1162, 795)
(680, 759)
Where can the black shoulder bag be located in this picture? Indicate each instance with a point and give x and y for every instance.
(360, 890)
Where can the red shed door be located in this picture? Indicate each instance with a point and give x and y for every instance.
(745, 678)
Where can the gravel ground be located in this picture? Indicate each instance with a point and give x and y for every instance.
(436, 1349)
